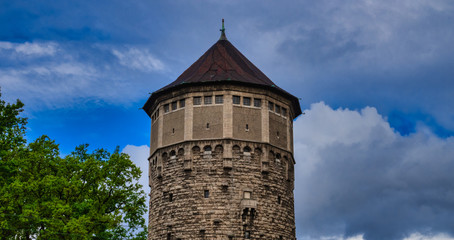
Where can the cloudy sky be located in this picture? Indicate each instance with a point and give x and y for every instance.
(375, 149)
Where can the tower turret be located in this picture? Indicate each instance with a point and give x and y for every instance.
(221, 162)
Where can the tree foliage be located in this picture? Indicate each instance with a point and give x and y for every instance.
(85, 195)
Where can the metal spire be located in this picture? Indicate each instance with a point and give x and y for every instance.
(223, 37)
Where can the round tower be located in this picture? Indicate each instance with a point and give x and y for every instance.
(221, 162)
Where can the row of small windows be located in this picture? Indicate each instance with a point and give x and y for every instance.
(247, 101)
(219, 99)
(277, 109)
(174, 105)
(208, 100)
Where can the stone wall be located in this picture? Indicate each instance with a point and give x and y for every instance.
(221, 189)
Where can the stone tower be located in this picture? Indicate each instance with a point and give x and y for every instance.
(221, 162)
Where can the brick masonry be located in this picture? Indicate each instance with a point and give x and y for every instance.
(221, 171)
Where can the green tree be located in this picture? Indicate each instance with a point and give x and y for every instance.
(85, 195)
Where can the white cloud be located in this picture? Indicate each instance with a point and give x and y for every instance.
(356, 175)
(63, 79)
(139, 155)
(419, 236)
(139, 59)
(31, 49)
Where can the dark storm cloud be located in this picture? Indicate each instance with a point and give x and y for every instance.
(357, 176)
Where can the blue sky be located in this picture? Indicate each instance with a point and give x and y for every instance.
(375, 79)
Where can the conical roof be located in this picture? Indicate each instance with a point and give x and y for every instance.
(223, 63)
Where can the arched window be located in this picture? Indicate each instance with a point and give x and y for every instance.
(278, 157)
(172, 154)
(247, 151)
(219, 149)
(180, 152)
(164, 156)
(195, 150)
(207, 149)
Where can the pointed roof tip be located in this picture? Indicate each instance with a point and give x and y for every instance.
(223, 37)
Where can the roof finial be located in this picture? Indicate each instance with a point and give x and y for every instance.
(223, 37)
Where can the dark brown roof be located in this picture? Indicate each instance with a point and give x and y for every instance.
(222, 63)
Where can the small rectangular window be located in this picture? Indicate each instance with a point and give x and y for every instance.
(246, 101)
(219, 99)
(247, 235)
(166, 108)
(206, 193)
(197, 100)
(208, 100)
(236, 99)
(174, 106)
(247, 195)
(270, 106)
(170, 197)
(182, 103)
(257, 102)
(278, 109)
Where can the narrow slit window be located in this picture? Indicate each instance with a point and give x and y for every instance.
(208, 125)
(206, 194)
(247, 127)
(170, 197)
(173, 130)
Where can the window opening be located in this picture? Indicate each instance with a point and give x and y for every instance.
(278, 199)
(236, 99)
(206, 193)
(174, 106)
(247, 235)
(270, 106)
(197, 100)
(207, 149)
(207, 100)
(246, 101)
(173, 130)
(208, 125)
(247, 149)
(278, 109)
(182, 103)
(246, 195)
(170, 197)
(219, 99)
(257, 102)
(284, 112)
(166, 108)
(247, 127)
